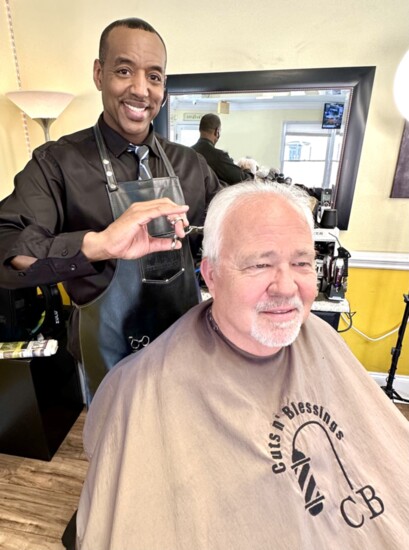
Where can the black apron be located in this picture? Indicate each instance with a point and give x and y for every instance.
(146, 295)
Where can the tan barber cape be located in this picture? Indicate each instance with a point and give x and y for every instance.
(196, 445)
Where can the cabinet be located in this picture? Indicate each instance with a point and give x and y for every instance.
(40, 399)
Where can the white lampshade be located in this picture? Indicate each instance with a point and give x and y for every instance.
(401, 86)
(43, 107)
(37, 104)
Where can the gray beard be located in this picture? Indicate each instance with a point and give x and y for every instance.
(278, 334)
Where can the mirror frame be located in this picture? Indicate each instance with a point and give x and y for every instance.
(358, 79)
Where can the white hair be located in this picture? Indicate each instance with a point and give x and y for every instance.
(247, 163)
(228, 197)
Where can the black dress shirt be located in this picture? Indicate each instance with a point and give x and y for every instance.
(220, 162)
(61, 194)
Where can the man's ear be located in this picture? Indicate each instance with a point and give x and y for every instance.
(165, 98)
(97, 74)
(208, 271)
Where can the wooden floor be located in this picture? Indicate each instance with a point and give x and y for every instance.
(38, 498)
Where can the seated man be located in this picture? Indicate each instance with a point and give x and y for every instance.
(248, 424)
(248, 164)
(220, 162)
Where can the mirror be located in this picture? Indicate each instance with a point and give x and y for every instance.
(308, 124)
(286, 132)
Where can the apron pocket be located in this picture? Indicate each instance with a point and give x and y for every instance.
(162, 267)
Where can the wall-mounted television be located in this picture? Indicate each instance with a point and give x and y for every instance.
(332, 117)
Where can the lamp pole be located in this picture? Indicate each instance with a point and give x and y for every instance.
(45, 124)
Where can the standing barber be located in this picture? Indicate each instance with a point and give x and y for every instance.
(76, 216)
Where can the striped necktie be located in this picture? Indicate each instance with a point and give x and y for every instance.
(142, 154)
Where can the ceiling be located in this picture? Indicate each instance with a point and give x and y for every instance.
(296, 99)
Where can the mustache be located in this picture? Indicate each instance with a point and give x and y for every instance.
(291, 303)
(135, 98)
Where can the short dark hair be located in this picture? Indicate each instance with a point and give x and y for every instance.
(209, 122)
(129, 23)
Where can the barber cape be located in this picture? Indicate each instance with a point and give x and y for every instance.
(197, 445)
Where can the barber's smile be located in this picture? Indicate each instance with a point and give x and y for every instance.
(136, 112)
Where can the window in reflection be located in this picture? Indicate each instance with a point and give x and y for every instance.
(186, 134)
(311, 154)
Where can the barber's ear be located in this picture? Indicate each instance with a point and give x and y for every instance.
(165, 98)
(97, 74)
(207, 270)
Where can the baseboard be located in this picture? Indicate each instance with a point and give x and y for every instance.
(379, 260)
(400, 383)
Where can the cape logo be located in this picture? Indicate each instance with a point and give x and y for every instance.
(304, 441)
(138, 344)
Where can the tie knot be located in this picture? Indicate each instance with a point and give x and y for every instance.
(141, 151)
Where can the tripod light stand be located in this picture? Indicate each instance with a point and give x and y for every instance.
(388, 389)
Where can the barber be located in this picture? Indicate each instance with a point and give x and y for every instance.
(88, 212)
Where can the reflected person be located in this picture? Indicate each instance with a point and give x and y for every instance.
(220, 162)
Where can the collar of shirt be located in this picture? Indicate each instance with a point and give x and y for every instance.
(118, 144)
(206, 141)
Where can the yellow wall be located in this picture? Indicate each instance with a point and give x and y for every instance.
(64, 296)
(376, 295)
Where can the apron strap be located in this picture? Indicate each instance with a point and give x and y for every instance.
(106, 163)
(164, 157)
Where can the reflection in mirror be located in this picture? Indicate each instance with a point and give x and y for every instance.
(289, 120)
(298, 133)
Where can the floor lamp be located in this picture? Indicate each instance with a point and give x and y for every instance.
(43, 107)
